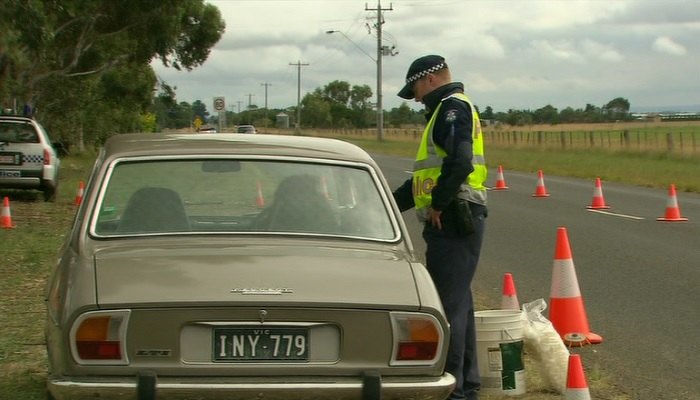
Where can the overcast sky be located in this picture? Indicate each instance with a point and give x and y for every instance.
(510, 54)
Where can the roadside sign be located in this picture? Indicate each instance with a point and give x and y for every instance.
(219, 104)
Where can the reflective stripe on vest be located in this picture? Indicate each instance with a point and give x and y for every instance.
(428, 164)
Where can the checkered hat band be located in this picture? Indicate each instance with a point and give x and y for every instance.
(421, 74)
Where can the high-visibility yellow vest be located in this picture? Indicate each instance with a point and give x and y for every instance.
(426, 168)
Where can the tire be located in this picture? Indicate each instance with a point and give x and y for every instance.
(50, 191)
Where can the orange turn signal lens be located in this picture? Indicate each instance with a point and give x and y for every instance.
(99, 337)
(418, 338)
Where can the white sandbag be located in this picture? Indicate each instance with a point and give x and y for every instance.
(546, 347)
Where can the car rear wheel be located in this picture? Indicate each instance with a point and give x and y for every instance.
(49, 191)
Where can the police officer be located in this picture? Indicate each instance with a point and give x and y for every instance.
(447, 190)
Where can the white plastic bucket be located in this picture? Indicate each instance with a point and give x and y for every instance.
(499, 351)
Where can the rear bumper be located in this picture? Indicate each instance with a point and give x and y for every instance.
(20, 182)
(281, 388)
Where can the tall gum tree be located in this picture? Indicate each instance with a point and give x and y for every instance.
(46, 42)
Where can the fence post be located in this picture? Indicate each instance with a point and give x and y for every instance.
(626, 138)
(562, 139)
(669, 142)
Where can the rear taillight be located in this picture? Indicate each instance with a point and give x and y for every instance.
(418, 339)
(99, 337)
(47, 157)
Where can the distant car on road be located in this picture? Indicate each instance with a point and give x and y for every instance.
(207, 129)
(246, 129)
(241, 266)
(27, 157)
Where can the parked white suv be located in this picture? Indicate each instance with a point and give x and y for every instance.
(27, 158)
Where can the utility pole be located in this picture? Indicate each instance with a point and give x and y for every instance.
(380, 108)
(266, 86)
(250, 107)
(250, 103)
(238, 102)
(298, 64)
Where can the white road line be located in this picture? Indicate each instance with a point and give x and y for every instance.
(615, 214)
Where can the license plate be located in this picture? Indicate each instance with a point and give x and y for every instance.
(10, 174)
(11, 158)
(261, 344)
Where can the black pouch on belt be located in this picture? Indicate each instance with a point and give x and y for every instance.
(465, 215)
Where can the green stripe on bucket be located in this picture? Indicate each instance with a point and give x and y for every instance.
(512, 358)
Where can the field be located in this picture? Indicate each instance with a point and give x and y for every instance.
(649, 154)
(30, 249)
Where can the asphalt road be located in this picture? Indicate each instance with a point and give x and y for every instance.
(639, 278)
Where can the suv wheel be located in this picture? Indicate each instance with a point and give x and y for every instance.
(49, 192)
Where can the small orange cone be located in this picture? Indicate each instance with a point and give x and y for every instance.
(598, 202)
(673, 213)
(259, 199)
(576, 385)
(79, 193)
(500, 182)
(566, 310)
(509, 301)
(540, 190)
(6, 216)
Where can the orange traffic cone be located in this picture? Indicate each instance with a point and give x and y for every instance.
(598, 202)
(566, 310)
(540, 190)
(79, 193)
(500, 182)
(6, 216)
(259, 199)
(673, 213)
(509, 301)
(576, 386)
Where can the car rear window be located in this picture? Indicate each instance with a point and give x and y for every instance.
(17, 132)
(243, 196)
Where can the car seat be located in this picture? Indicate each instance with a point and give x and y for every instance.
(154, 209)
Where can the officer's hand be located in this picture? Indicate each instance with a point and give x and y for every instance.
(434, 216)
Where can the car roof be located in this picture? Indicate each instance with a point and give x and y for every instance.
(16, 118)
(144, 144)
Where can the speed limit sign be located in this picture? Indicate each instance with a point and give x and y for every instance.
(219, 104)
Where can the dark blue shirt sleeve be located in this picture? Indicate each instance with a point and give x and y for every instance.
(403, 195)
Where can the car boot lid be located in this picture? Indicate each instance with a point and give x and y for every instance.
(309, 276)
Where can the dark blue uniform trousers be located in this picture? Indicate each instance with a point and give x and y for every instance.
(451, 261)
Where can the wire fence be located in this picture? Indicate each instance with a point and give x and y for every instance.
(679, 142)
(683, 140)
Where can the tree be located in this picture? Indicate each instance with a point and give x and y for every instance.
(618, 108)
(316, 110)
(199, 109)
(546, 115)
(487, 114)
(75, 38)
(361, 106)
(48, 46)
(337, 92)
